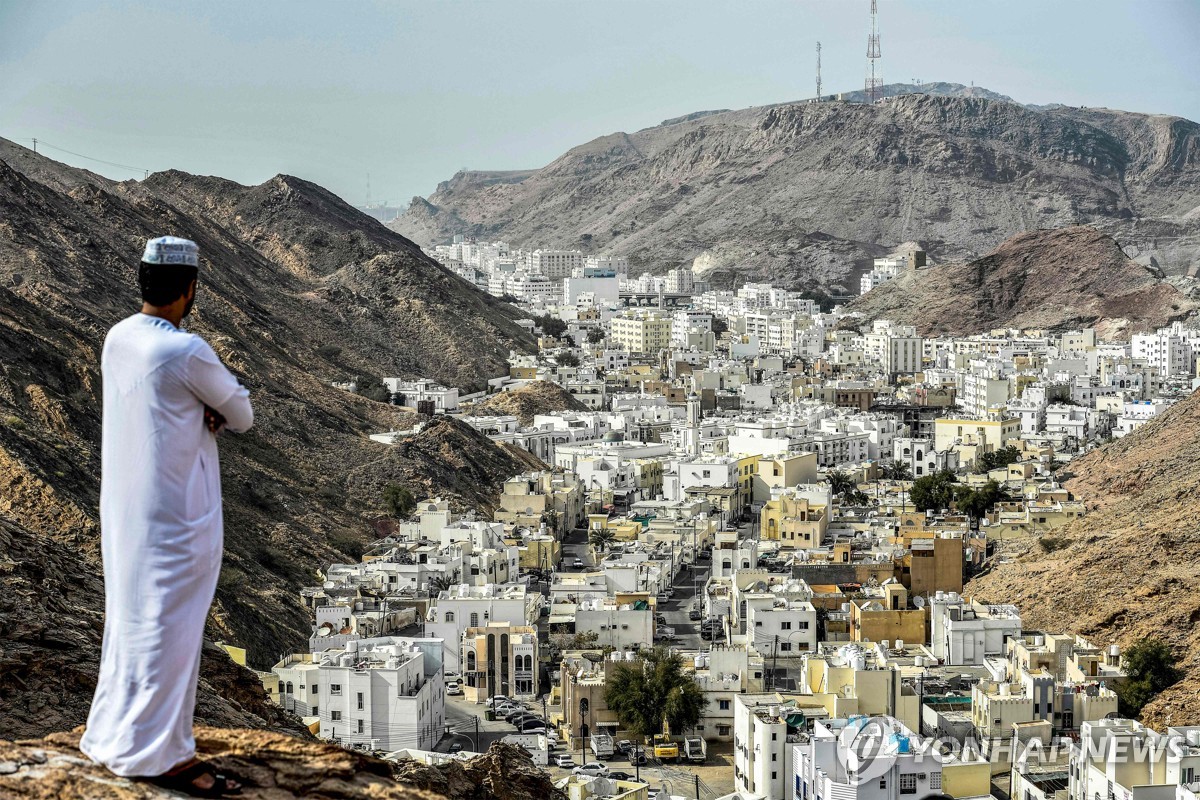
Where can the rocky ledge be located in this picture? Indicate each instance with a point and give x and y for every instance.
(273, 767)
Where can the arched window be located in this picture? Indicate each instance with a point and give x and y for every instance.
(289, 689)
(449, 616)
(470, 661)
(920, 455)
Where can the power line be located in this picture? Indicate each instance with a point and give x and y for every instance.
(44, 143)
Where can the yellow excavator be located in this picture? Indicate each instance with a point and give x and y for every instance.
(664, 748)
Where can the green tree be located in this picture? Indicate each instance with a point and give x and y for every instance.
(840, 482)
(897, 471)
(439, 583)
(856, 497)
(719, 326)
(398, 501)
(601, 538)
(975, 503)
(654, 691)
(372, 388)
(595, 335)
(997, 459)
(567, 359)
(1150, 665)
(934, 491)
(551, 326)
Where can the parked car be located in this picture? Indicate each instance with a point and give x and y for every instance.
(528, 723)
(617, 775)
(454, 689)
(577, 563)
(499, 699)
(695, 615)
(638, 757)
(593, 769)
(663, 598)
(533, 731)
(456, 748)
(563, 760)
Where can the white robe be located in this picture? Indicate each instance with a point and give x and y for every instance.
(161, 538)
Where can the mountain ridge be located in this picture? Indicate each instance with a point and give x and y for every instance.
(1054, 279)
(807, 193)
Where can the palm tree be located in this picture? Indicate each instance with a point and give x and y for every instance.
(840, 482)
(897, 471)
(439, 583)
(601, 538)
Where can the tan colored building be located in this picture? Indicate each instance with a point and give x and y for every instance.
(780, 472)
(636, 333)
(884, 616)
(499, 658)
(794, 522)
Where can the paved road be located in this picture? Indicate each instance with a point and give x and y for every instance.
(676, 609)
(466, 722)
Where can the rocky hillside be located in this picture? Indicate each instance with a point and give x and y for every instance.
(1131, 567)
(297, 290)
(806, 194)
(524, 403)
(1056, 279)
(273, 767)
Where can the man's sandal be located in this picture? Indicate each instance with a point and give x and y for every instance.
(181, 780)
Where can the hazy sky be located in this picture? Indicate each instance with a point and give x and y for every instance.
(412, 91)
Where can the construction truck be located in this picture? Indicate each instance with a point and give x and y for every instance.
(602, 745)
(695, 749)
(664, 748)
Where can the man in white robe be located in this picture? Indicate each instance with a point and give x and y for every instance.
(166, 397)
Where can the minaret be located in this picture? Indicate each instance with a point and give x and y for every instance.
(691, 434)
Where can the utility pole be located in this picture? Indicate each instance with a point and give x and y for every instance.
(818, 72)
(35, 145)
(475, 738)
(874, 83)
(774, 660)
(696, 778)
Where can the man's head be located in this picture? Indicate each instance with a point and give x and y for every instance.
(167, 274)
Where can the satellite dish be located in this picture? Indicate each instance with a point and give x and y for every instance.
(919, 601)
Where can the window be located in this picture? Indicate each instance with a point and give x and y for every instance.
(360, 726)
(785, 626)
(774, 756)
(935, 780)
(758, 623)
(722, 730)
(335, 715)
(360, 701)
(785, 647)
(449, 616)
(908, 783)
(335, 688)
(474, 620)
(883, 782)
(803, 625)
(723, 705)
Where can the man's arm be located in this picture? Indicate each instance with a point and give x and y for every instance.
(217, 388)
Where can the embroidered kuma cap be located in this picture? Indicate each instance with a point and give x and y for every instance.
(171, 250)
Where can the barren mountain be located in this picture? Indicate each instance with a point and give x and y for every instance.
(297, 290)
(536, 397)
(1057, 279)
(1131, 567)
(805, 194)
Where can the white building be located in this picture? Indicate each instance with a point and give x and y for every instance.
(464, 606)
(863, 758)
(383, 694)
(965, 632)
